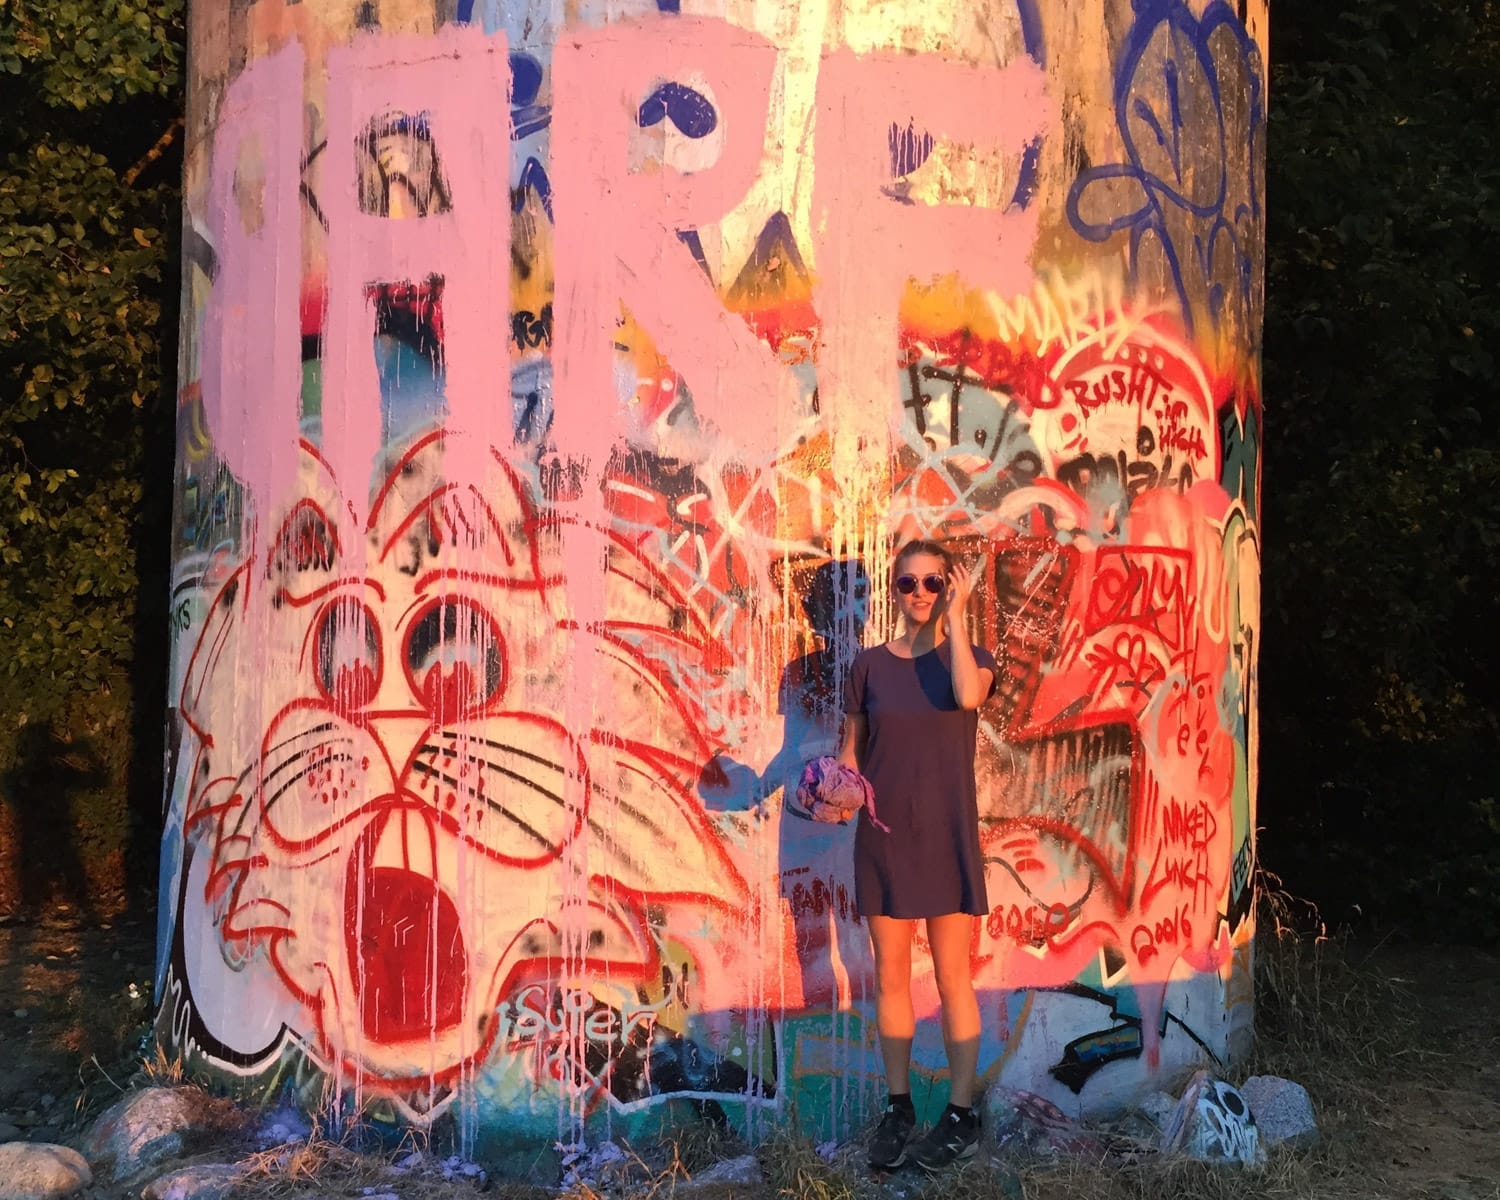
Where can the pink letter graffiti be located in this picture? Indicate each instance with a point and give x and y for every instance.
(458, 81)
(251, 381)
(619, 239)
(869, 244)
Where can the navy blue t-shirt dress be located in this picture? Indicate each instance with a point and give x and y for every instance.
(919, 757)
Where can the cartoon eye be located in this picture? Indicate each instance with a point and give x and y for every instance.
(455, 660)
(347, 655)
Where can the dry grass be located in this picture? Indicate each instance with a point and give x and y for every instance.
(1321, 1011)
(161, 1069)
(694, 1146)
(1325, 1016)
(1180, 1179)
(793, 1167)
(328, 1166)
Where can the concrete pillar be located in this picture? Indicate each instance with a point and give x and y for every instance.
(556, 382)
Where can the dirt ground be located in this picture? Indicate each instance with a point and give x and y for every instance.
(75, 1002)
(1399, 1045)
(1429, 1125)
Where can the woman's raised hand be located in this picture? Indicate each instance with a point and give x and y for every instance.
(961, 581)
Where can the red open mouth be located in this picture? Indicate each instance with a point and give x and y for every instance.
(405, 943)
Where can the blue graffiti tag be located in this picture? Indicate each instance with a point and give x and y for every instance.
(1190, 110)
(689, 110)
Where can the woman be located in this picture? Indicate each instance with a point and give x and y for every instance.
(910, 727)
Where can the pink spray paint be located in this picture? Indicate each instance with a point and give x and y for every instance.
(621, 241)
(458, 81)
(251, 382)
(870, 244)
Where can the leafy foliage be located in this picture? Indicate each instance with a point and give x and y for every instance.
(86, 299)
(84, 53)
(1382, 544)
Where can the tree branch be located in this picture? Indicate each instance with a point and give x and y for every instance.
(151, 155)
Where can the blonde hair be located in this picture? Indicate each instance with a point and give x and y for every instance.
(921, 546)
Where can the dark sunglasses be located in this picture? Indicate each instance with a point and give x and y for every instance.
(907, 584)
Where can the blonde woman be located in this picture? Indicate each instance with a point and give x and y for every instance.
(910, 726)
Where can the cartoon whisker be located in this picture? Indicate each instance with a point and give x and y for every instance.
(458, 785)
(243, 777)
(321, 757)
(489, 743)
(323, 750)
(616, 802)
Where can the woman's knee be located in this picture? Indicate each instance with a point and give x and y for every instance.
(950, 939)
(893, 976)
(891, 942)
(954, 983)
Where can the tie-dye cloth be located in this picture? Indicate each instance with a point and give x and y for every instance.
(831, 792)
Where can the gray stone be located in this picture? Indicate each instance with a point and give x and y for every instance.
(1020, 1122)
(206, 1181)
(41, 1171)
(1213, 1122)
(283, 1125)
(1132, 1130)
(1002, 1178)
(1157, 1107)
(146, 1128)
(8, 1132)
(1000, 1115)
(1283, 1111)
(743, 1169)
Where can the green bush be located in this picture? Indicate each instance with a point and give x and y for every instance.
(88, 295)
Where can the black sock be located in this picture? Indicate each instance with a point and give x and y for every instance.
(966, 1115)
(903, 1102)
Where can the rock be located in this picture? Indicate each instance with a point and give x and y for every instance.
(206, 1181)
(1283, 1111)
(603, 1167)
(1132, 1130)
(41, 1171)
(148, 1127)
(744, 1169)
(1213, 1122)
(1024, 1123)
(284, 1124)
(1003, 1179)
(1157, 1108)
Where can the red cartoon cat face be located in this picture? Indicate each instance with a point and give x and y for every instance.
(411, 809)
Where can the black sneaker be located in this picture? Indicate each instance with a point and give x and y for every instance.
(953, 1139)
(888, 1143)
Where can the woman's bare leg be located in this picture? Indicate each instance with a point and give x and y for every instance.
(894, 1018)
(950, 937)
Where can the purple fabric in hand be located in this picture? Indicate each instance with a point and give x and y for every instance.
(832, 793)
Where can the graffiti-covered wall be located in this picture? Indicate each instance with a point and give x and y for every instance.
(557, 380)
